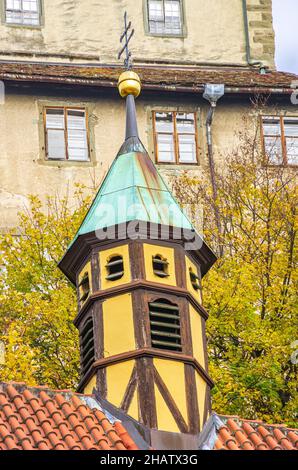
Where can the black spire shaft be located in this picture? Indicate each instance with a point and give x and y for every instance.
(129, 86)
(131, 118)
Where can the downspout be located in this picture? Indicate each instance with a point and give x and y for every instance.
(213, 93)
(209, 122)
(247, 38)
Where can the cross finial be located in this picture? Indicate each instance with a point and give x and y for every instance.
(126, 35)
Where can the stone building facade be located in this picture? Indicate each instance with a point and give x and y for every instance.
(61, 119)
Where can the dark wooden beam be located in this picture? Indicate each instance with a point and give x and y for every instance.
(170, 402)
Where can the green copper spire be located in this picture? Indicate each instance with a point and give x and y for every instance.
(133, 190)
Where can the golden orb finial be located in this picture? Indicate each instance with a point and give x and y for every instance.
(129, 83)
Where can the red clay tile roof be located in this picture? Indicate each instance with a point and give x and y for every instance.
(240, 434)
(153, 77)
(38, 418)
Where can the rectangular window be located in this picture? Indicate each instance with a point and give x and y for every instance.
(23, 12)
(175, 135)
(66, 134)
(165, 17)
(280, 139)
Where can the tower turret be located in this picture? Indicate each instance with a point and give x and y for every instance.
(137, 264)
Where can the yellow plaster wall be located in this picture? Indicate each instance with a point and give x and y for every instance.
(201, 392)
(197, 336)
(168, 253)
(172, 374)
(195, 293)
(165, 419)
(118, 325)
(105, 256)
(90, 386)
(118, 376)
(133, 410)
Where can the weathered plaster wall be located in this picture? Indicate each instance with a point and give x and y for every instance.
(22, 165)
(89, 29)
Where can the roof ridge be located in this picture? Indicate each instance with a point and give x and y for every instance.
(257, 422)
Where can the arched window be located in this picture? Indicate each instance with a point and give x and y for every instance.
(115, 268)
(84, 288)
(87, 346)
(160, 266)
(195, 280)
(165, 325)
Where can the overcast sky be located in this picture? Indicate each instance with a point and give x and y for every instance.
(285, 18)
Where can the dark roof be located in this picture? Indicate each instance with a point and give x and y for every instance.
(39, 418)
(237, 79)
(234, 433)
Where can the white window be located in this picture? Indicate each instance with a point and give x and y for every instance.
(23, 12)
(66, 134)
(280, 139)
(175, 135)
(165, 17)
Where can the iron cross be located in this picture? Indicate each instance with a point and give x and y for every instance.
(127, 35)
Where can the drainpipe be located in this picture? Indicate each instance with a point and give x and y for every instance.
(247, 39)
(213, 93)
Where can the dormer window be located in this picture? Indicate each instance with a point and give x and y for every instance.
(115, 268)
(87, 346)
(160, 266)
(194, 279)
(165, 325)
(84, 288)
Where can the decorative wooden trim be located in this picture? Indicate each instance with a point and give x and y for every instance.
(99, 348)
(180, 268)
(207, 404)
(150, 353)
(147, 403)
(203, 322)
(95, 272)
(142, 334)
(192, 400)
(186, 329)
(161, 289)
(130, 390)
(84, 244)
(182, 425)
(137, 263)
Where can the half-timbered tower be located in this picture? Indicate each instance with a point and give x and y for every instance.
(137, 263)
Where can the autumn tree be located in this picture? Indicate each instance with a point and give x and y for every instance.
(251, 293)
(37, 303)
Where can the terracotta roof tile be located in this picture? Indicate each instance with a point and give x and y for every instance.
(192, 78)
(42, 419)
(239, 434)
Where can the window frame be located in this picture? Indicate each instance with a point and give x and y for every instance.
(183, 32)
(24, 25)
(282, 137)
(65, 109)
(176, 135)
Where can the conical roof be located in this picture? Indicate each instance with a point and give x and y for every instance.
(133, 190)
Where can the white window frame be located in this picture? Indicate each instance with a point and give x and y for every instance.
(22, 11)
(181, 34)
(281, 137)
